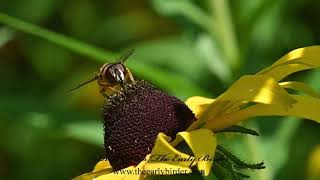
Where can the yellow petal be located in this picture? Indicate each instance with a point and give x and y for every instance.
(251, 88)
(103, 164)
(129, 173)
(296, 60)
(101, 168)
(198, 104)
(305, 107)
(166, 158)
(299, 86)
(258, 89)
(203, 143)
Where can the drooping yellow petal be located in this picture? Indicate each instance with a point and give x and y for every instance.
(103, 164)
(203, 143)
(299, 86)
(248, 89)
(258, 89)
(311, 53)
(198, 104)
(305, 107)
(296, 60)
(101, 168)
(129, 173)
(168, 160)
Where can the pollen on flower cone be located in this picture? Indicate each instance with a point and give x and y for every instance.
(134, 117)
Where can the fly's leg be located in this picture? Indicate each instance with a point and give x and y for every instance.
(103, 92)
(130, 75)
(102, 86)
(113, 90)
(107, 91)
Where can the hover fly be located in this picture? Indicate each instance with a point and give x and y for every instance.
(112, 76)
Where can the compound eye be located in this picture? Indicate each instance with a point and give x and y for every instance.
(121, 68)
(116, 73)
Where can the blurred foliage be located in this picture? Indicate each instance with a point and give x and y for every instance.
(185, 47)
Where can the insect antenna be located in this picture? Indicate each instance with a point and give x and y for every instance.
(126, 55)
(85, 82)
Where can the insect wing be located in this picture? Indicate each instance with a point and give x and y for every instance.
(84, 83)
(125, 55)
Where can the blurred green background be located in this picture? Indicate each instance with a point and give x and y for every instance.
(185, 47)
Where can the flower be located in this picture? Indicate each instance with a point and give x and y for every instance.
(133, 119)
(252, 95)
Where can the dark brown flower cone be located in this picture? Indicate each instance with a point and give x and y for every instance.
(134, 117)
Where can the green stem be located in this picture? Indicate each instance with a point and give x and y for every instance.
(253, 144)
(67, 42)
(238, 129)
(279, 153)
(170, 81)
(225, 32)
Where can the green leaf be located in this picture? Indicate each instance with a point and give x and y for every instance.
(90, 132)
(183, 87)
(61, 40)
(6, 35)
(185, 8)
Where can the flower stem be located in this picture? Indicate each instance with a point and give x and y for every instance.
(253, 144)
(67, 42)
(155, 75)
(225, 32)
